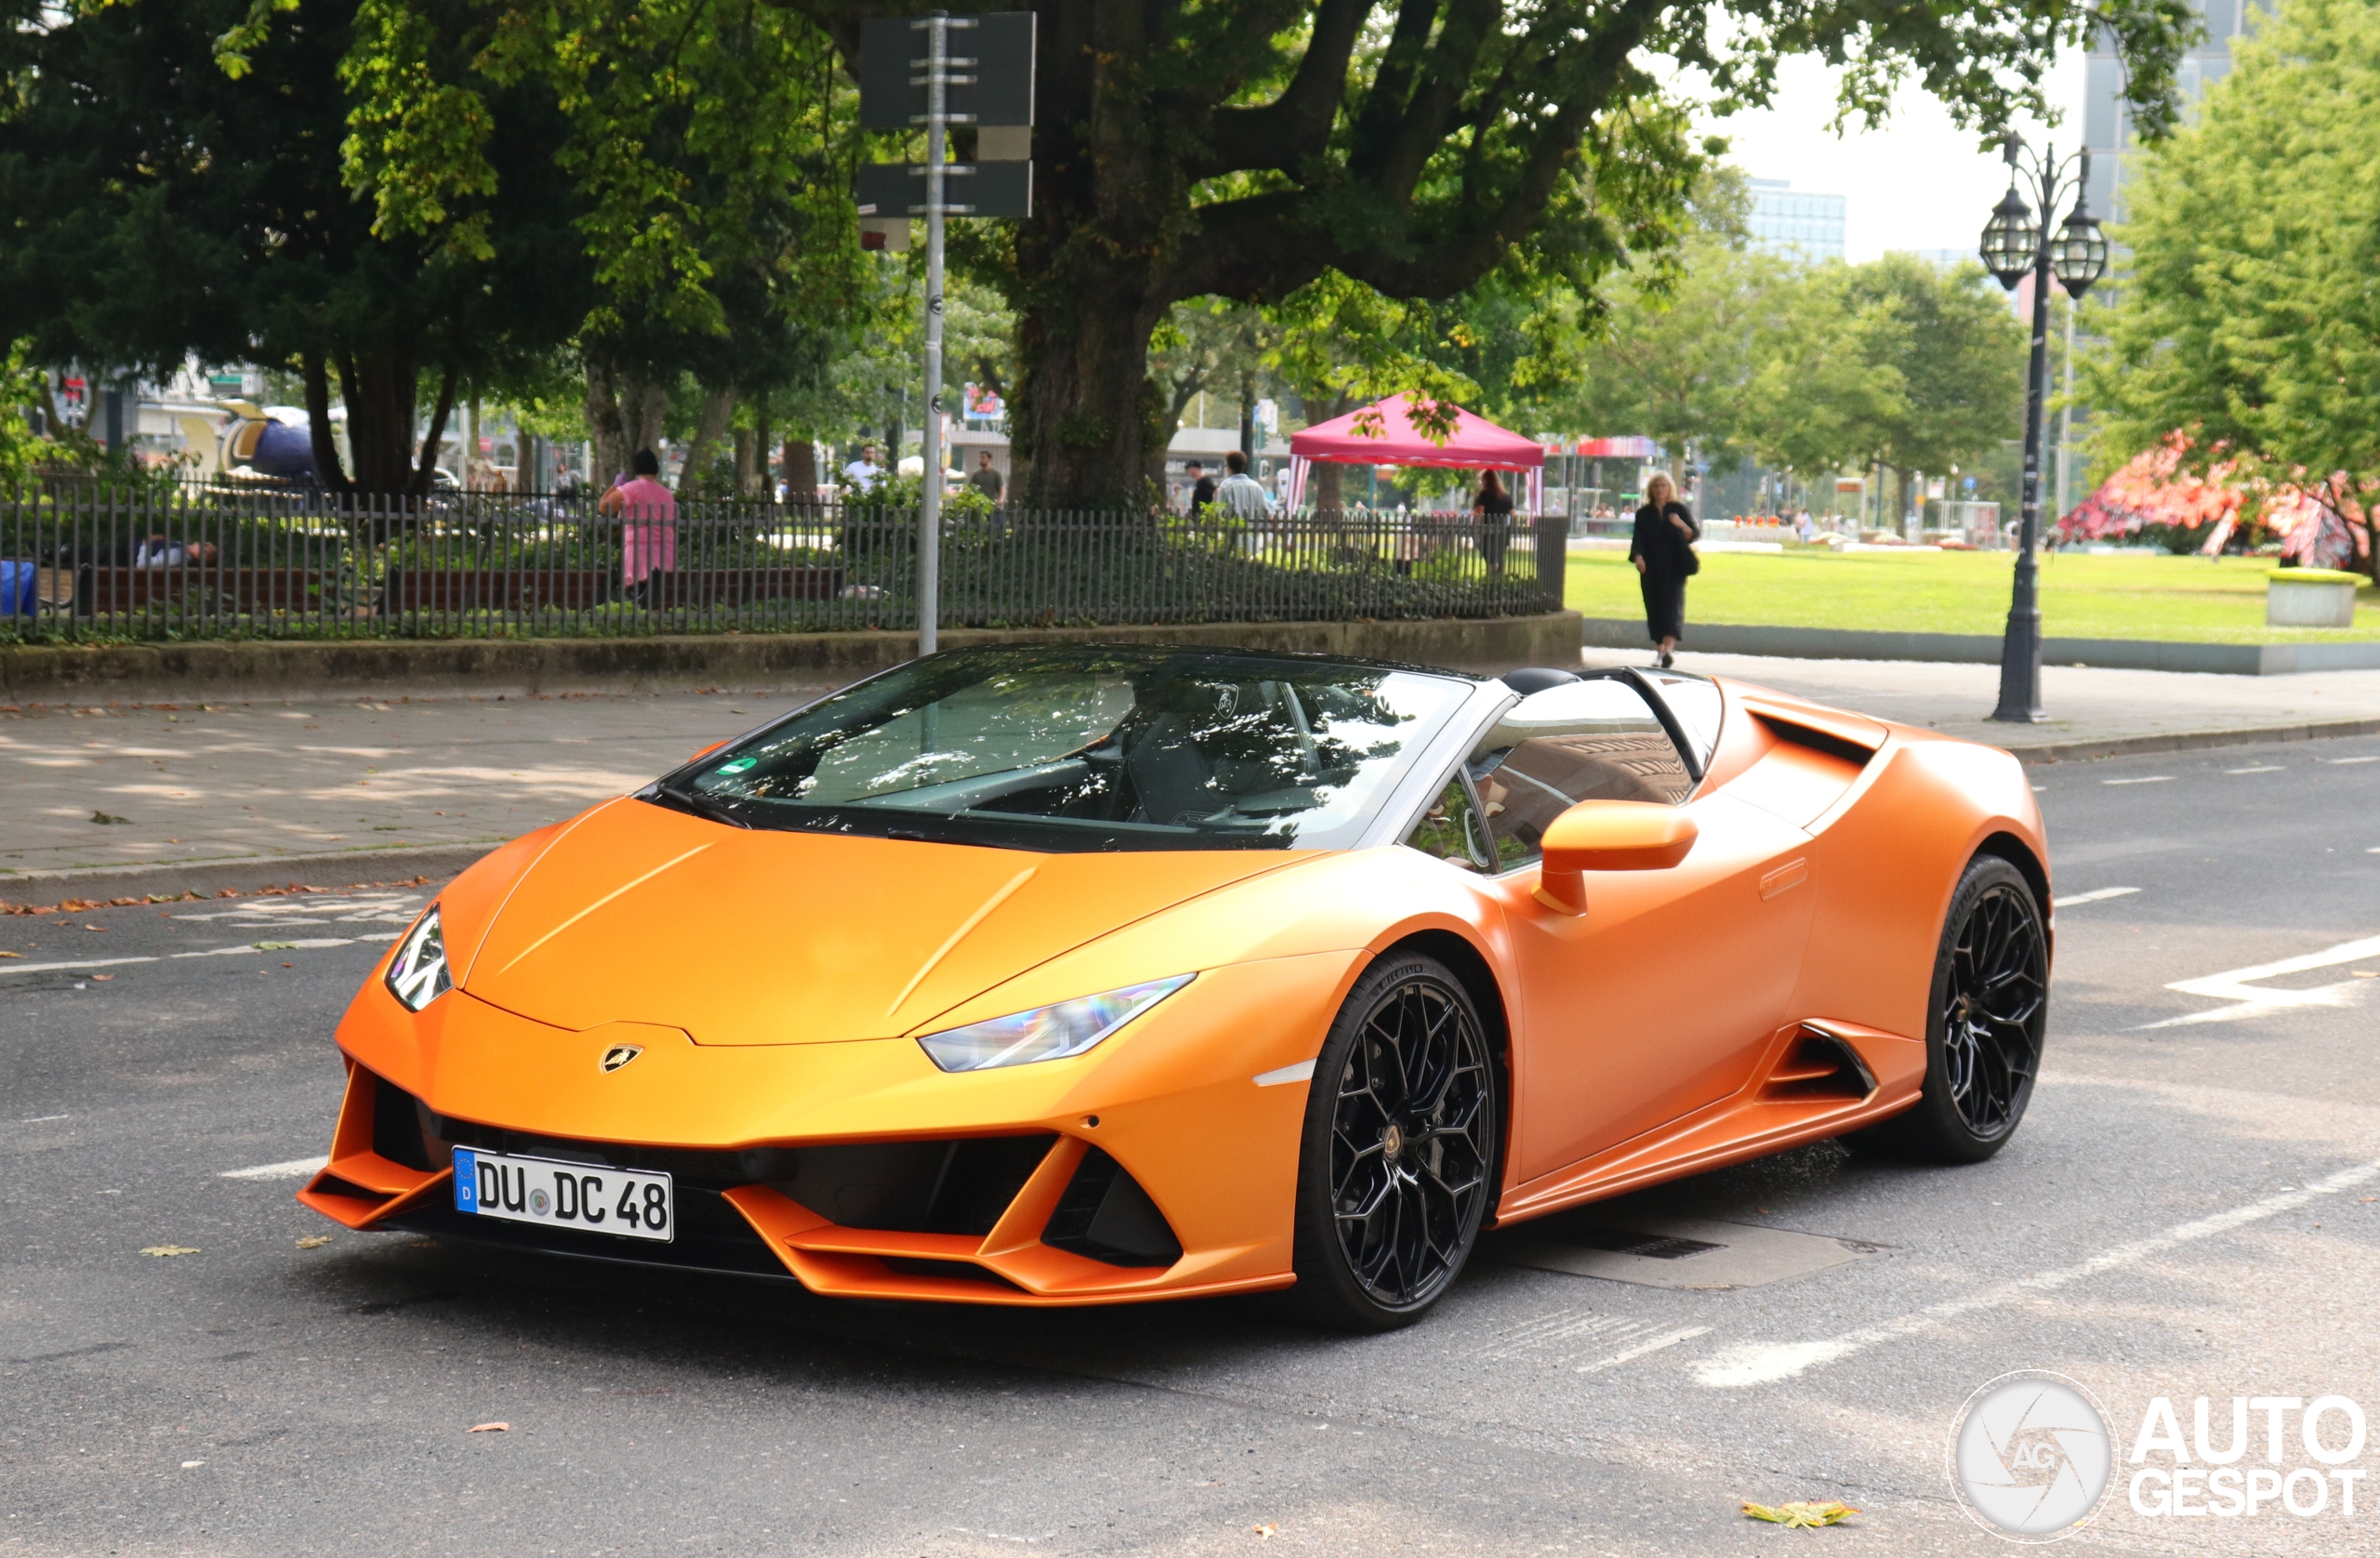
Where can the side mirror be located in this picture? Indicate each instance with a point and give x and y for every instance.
(1609, 835)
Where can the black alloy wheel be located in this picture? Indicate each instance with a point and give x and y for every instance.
(1985, 1022)
(1398, 1167)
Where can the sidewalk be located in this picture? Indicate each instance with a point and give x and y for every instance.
(243, 795)
(2092, 711)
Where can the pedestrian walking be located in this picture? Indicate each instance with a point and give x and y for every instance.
(648, 529)
(1241, 495)
(1662, 549)
(1492, 510)
(984, 479)
(1202, 488)
(862, 474)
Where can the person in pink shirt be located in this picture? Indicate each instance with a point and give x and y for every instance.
(649, 536)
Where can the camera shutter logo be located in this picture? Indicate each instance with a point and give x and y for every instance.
(2030, 1456)
(619, 1055)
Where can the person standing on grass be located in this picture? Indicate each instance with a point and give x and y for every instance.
(649, 527)
(1662, 549)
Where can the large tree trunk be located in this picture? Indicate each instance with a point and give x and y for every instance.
(379, 390)
(711, 428)
(801, 471)
(329, 474)
(624, 412)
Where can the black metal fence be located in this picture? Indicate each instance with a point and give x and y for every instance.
(89, 563)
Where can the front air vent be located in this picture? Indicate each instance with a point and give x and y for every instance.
(1106, 1215)
(1818, 1067)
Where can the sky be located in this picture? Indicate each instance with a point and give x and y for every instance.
(1917, 183)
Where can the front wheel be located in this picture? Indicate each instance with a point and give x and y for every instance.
(1398, 1167)
(1984, 1023)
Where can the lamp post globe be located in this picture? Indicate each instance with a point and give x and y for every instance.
(2010, 240)
(2078, 256)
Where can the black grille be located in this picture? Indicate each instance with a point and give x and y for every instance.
(1106, 1215)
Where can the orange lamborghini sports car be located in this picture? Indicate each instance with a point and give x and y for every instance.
(1063, 975)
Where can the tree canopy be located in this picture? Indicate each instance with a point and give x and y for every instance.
(1243, 150)
(2243, 318)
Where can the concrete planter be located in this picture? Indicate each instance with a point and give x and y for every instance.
(2310, 598)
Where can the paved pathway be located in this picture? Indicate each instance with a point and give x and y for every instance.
(246, 780)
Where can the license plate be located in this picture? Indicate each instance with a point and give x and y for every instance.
(628, 1202)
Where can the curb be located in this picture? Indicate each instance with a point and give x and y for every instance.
(1978, 649)
(239, 874)
(310, 668)
(2191, 741)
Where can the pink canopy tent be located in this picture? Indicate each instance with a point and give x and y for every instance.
(1384, 433)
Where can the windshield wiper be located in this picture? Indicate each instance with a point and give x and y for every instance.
(693, 803)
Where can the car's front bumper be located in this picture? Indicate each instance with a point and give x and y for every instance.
(764, 1139)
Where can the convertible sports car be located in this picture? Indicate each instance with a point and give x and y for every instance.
(1058, 975)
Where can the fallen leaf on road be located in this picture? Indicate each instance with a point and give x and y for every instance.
(99, 928)
(313, 1241)
(101, 979)
(170, 1249)
(11, 955)
(1264, 1531)
(273, 947)
(104, 817)
(1800, 1512)
(490, 1428)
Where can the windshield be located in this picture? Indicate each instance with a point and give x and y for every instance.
(1057, 748)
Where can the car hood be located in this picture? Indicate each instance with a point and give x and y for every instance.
(639, 914)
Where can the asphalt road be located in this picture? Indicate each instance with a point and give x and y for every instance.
(2191, 1209)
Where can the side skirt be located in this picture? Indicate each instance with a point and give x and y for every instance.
(1818, 1078)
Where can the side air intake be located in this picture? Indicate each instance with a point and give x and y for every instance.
(1818, 1067)
(1106, 1215)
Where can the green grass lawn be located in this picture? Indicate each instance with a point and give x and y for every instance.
(2127, 596)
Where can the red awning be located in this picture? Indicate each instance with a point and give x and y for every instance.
(1387, 436)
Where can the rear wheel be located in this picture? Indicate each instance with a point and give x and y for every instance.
(1984, 1023)
(1399, 1162)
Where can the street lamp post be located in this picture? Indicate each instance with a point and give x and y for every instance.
(2077, 255)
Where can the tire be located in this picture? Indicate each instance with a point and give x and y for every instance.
(1984, 1022)
(1399, 1162)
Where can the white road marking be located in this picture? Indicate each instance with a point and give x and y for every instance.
(2248, 1000)
(297, 1167)
(1301, 1072)
(2097, 895)
(44, 1119)
(1629, 1354)
(1762, 1363)
(310, 945)
(2262, 768)
(88, 963)
(2152, 779)
(2342, 762)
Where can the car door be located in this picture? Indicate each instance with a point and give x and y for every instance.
(1660, 997)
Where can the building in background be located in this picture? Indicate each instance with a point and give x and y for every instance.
(1794, 224)
(2107, 122)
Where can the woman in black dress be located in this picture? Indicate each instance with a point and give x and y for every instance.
(1492, 512)
(1662, 549)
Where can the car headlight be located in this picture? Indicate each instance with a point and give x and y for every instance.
(1048, 1033)
(417, 974)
